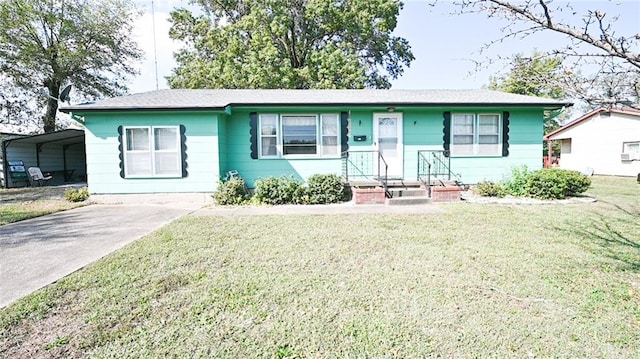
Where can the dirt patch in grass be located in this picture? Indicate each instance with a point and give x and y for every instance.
(31, 194)
(17, 204)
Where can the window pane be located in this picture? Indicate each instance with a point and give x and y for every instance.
(329, 134)
(330, 125)
(299, 135)
(631, 147)
(463, 139)
(138, 163)
(488, 139)
(269, 146)
(166, 138)
(463, 124)
(268, 125)
(137, 139)
(488, 124)
(167, 163)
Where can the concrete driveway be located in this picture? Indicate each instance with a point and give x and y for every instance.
(39, 251)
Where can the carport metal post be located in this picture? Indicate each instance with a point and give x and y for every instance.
(5, 168)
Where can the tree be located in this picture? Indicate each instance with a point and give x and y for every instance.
(594, 44)
(56, 42)
(534, 76)
(289, 44)
(537, 75)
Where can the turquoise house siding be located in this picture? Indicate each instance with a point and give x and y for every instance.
(422, 130)
(239, 150)
(219, 141)
(103, 171)
(525, 149)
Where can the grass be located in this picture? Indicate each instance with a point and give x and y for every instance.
(18, 204)
(477, 281)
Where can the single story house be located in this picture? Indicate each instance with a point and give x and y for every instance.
(187, 140)
(603, 141)
(60, 153)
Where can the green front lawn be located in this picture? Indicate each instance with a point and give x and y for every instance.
(477, 281)
(17, 204)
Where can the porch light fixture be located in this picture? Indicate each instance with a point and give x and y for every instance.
(391, 108)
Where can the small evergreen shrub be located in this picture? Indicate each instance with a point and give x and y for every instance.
(231, 192)
(489, 189)
(279, 190)
(577, 183)
(322, 189)
(515, 184)
(555, 183)
(76, 195)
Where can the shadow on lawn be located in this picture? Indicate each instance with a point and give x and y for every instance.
(615, 235)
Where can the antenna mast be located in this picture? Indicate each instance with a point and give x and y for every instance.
(155, 50)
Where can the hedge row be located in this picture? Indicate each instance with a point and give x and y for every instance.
(320, 189)
(551, 183)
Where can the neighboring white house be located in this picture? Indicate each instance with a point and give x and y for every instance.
(604, 141)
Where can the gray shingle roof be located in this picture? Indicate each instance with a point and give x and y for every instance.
(219, 99)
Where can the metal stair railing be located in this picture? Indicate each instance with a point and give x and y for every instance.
(366, 165)
(435, 164)
(424, 171)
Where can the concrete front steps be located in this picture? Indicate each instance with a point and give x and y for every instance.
(408, 196)
(404, 192)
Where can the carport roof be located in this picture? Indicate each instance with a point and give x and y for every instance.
(63, 137)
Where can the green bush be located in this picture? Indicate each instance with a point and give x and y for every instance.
(76, 195)
(555, 183)
(577, 183)
(489, 189)
(231, 192)
(323, 189)
(279, 190)
(515, 184)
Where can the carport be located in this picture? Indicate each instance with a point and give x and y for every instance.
(61, 153)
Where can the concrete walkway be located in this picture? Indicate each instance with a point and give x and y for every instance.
(39, 251)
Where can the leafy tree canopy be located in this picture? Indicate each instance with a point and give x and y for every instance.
(537, 75)
(534, 76)
(289, 44)
(53, 43)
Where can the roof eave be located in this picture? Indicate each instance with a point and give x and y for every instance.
(139, 108)
(546, 106)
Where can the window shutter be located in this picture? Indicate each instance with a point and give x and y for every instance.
(121, 151)
(446, 132)
(183, 151)
(344, 130)
(253, 132)
(505, 134)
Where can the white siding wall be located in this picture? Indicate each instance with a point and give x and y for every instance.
(597, 143)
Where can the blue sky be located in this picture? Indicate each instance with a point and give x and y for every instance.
(443, 44)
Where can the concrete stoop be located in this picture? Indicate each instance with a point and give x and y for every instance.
(408, 197)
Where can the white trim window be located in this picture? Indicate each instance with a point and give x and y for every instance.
(631, 148)
(476, 135)
(292, 135)
(152, 151)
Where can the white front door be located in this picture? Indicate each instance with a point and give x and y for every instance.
(387, 138)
